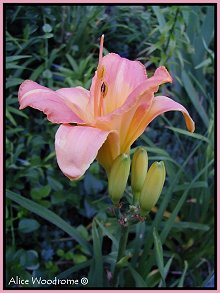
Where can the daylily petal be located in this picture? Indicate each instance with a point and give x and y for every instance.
(46, 100)
(142, 93)
(162, 104)
(77, 147)
(77, 99)
(151, 85)
(142, 118)
(109, 151)
(142, 96)
(120, 77)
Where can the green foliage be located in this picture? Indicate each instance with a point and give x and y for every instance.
(67, 229)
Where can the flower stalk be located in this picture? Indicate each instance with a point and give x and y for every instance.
(121, 253)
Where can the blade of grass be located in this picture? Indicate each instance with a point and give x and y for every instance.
(188, 225)
(166, 269)
(173, 184)
(37, 72)
(13, 81)
(181, 282)
(160, 17)
(49, 216)
(193, 96)
(190, 134)
(159, 254)
(171, 220)
(138, 242)
(162, 158)
(10, 117)
(107, 233)
(139, 281)
(17, 112)
(97, 279)
(75, 268)
(72, 62)
(15, 58)
(199, 184)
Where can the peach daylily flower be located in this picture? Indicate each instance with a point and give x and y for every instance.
(104, 122)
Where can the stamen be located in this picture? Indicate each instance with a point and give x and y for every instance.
(101, 48)
(101, 72)
(104, 89)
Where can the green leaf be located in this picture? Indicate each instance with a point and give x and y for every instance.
(198, 184)
(97, 254)
(106, 232)
(145, 262)
(170, 222)
(157, 150)
(49, 216)
(10, 117)
(181, 281)
(79, 258)
(123, 262)
(13, 66)
(166, 269)
(47, 36)
(139, 281)
(72, 62)
(175, 180)
(39, 193)
(17, 112)
(83, 231)
(28, 225)
(188, 225)
(13, 81)
(74, 269)
(160, 18)
(29, 259)
(159, 253)
(204, 63)
(163, 158)
(37, 72)
(193, 96)
(15, 58)
(153, 279)
(190, 134)
(207, 33)
(54, 184)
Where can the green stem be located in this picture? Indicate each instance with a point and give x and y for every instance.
(121, 252)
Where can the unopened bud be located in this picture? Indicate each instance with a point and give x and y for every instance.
(118, 177)
(138, 171)
(153, 186)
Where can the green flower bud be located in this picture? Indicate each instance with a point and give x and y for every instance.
(138, 171)
(153, 186)
(118, 177)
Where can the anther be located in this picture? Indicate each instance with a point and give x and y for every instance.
(101, 72)
(104, 89)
